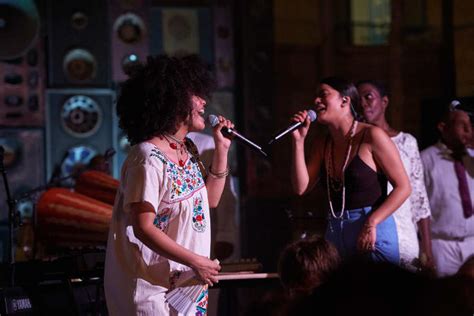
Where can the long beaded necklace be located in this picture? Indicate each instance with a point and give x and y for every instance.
(331, 182)
(177, 145)
(334, 182)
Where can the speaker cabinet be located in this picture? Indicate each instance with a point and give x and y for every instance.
(182, 30)
(129, 35)
(24, 164)
(21, 89)
(78, 43)
(81, 124)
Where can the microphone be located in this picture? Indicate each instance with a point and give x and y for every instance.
(312, 116)
(214, 120)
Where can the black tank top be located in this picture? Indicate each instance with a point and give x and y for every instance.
(364, 186)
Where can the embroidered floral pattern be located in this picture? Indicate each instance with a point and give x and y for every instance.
(184, 180)
(199, 221)
(156, 153)
(201, 303)
(162, 219)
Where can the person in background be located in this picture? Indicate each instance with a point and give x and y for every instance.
(160, 228)
(414, 212)
(449, 178)
(353, 161)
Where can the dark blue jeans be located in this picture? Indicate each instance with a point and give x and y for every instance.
(343, 233)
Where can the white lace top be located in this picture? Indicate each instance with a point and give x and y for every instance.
(416, 206)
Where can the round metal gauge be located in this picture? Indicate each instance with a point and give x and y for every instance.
(77, 159)
(130, 28)
(81, 116)
(13, 151)
(79, 20)
(128, 62)
(25, 207)
(79, 65)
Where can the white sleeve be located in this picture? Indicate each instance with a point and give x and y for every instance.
(418, 198)
(427, 165)
(142, 184)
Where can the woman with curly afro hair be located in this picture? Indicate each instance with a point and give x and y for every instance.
(159, 236)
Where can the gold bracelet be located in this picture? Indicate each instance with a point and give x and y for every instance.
(219, 175)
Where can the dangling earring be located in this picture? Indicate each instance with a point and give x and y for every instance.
(344, 100)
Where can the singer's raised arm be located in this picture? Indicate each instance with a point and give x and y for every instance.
(303, 175)
(219, 169)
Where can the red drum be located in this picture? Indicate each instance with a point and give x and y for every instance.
(66, 218)
(98, 185)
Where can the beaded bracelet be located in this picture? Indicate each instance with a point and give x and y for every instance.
(219, 175)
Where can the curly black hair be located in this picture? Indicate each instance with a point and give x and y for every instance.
(157, 96)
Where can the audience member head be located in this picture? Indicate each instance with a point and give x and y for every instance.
(374, 100)
(455, 128)
(307, 263)
(336, 97)
(158, 95)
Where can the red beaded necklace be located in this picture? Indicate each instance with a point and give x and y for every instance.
(177, 145)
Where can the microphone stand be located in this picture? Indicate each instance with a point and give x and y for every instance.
(12, 219)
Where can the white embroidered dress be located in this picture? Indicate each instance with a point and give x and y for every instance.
(416, 206)
(137, 278)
